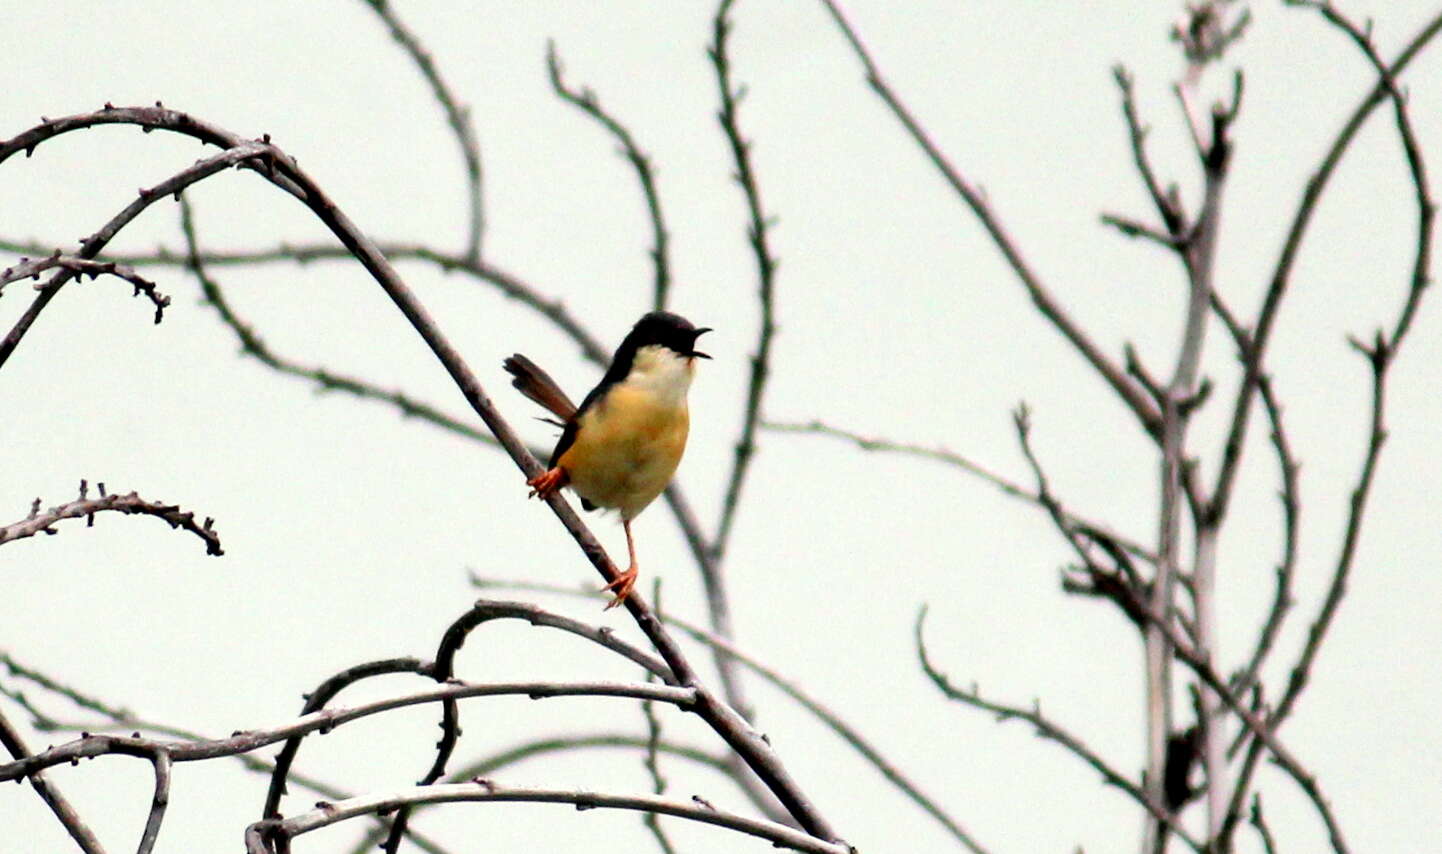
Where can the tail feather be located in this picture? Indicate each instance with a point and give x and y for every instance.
(530, 380)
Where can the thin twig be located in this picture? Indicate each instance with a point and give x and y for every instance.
(240, 153)
(1166, 203)
(585, 100)
(1048, 729)
(1135, 399)
(457, 116)
(1257, 820)
(951, 458)
(1291, 247)
(28, 268)
(759, 224)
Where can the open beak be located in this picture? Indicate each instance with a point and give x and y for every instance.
(697, 354)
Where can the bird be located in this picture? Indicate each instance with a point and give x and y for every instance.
(621, 446)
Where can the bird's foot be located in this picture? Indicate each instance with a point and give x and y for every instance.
(621, 587)
(546, 484)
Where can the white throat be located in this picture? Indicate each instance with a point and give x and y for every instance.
(663, 373)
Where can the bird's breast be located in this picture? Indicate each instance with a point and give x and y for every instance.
(627, 446)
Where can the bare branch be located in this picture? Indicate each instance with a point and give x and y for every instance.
(325, 380)
(790, 688)
(240, 153)
(586, 101)
(118, 718)
(951, 458)
(90, 746)
(443, 670)
(1379, 355)
(1291, 247)
(1258, 821)
(1166, 203)
(28, 268)
(542, 746)
(651, 758)
(259, 835)
(1132, 228)
(79, 831)
(1144, 410)
(42, 522)
(457, 116)
(286, 174)
(766, 263)
(158, 802)
(1049, 730)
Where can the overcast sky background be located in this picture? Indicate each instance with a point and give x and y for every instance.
(349, 532)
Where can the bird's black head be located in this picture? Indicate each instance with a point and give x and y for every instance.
(671, 331)
(658, 328)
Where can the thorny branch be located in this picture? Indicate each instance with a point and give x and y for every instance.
(43, 522)
(32, 268)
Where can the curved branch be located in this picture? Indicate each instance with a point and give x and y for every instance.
(326, 720)
(457, 116)
(31, 269)
(240, 153)
(1050, 730)
(317, 700)
(585, 100)
(259, 835)
(39, 522)
(443, 670)
(757, 228)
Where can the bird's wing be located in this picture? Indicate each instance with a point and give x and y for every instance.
(536, 384)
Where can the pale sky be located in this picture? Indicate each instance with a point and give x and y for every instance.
(350, 532)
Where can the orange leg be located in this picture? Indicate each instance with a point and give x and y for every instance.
(626, 580)
(546, 484)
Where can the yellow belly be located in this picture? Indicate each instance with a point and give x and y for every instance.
(626, 450)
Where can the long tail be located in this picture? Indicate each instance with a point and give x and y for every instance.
(536, 384)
